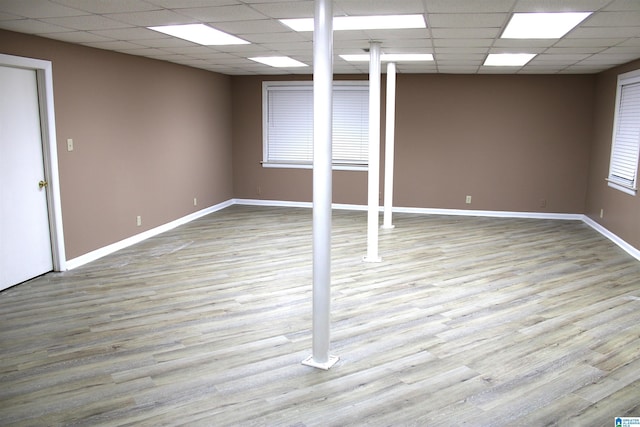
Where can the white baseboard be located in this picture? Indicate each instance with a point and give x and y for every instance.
(99, 253)
(614, 238)
(425, 211)
(282, 203)
(104, 251)
(276, 203)
(494, 214)
(464, 212)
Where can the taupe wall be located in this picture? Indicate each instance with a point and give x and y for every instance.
(621, 211)
(514, 143)
(149, 137)
(251, 180)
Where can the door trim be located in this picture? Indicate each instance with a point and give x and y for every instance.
(44, 76)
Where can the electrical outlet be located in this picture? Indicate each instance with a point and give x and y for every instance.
(543, 203)
(138, 220)
(468, 200)
(601, 213)
(195, 201)
(69, 144)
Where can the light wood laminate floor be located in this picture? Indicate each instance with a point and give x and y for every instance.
(466, 321)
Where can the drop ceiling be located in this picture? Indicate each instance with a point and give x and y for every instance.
(459, 34)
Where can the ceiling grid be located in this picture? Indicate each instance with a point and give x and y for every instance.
(460, 33)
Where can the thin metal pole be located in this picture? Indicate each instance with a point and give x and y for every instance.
(389, 145)
(374, 154)
(322, 135)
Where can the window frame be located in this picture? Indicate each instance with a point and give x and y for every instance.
(362, 85)
(613, 180)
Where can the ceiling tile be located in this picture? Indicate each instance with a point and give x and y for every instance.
(406, 67)
(407, 43)
(8, 16)
(217, 56)
(442, 57)
(498, 70)
(540, 70)
(165, 42)
(404, 50)
(457, 20)
(523, 44)
(460, 33)
(617, 19)
(630, 42)
(618, 5)
(131, 33)
(460, 50)
(383, 35)
(557, 59)
(39, 9)
(274, 38)
(223, 13)
(465, 33)
(242, 49)
(347, 46)
(463, 42)
(32, 26)
(308, 46)
(152, 18)
(113, 45)
(574, 50)
(289, 9)
(589, 42)
(178, 4)
(457, 69)
(604, 32)
(165, 56)
(143, 51)
(253, 27)
(559, 6)
(469, 6)
(624, 50)
(188, 50)
(87, 22)
(583, 69)
(79, 37)
(613, 58)
(350, 35)
(379, 7)
(94, 6)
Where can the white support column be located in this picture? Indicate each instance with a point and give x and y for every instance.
(389, 145)
(374, 154)
(322, 135)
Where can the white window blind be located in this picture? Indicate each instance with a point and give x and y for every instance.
(623, 169)
(288, 124)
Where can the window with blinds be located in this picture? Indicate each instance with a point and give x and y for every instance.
(288, 124)
(623, 169)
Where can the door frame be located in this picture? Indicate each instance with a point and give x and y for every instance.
(44, 77)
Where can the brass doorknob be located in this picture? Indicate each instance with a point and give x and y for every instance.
(42, 184)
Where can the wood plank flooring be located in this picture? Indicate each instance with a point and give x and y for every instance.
(466, 321)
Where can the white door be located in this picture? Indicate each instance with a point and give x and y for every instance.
(25, 240)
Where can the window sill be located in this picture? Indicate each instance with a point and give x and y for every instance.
(623, 188)
(336, 167)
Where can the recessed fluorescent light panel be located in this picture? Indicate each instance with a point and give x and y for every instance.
(199, 33)
(542, 25)
(278, 61)
(390, 57)
(508, 59)
(377, 22)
